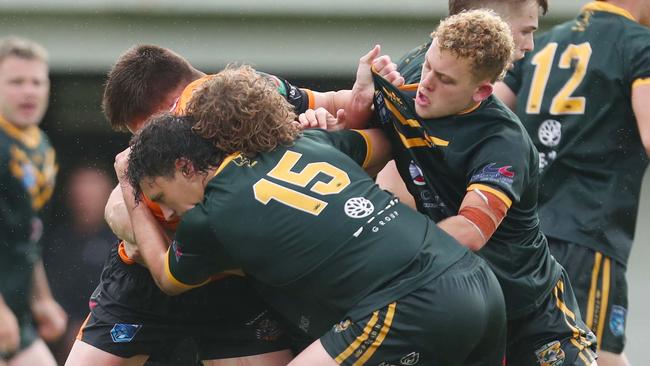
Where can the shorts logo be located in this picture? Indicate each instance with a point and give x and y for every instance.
(550, 354)
(411, 359)
(268, 330)
(358, 207)
(617, 320)
(124, 333)
(340, 327)
(416, 174)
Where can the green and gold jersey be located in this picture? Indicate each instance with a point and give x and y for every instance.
(308, 221)
(27, 173)
(486, 148)
(410, 66)
(573, 97)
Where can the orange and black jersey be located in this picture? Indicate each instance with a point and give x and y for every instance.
(309, 222)
(574, 98)
(410, 66)
(27, 174)
(485, 148)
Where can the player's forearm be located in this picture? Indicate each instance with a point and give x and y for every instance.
(117, 216)
(40, 286)
(152, 243)
(640, 97)
(464, 231)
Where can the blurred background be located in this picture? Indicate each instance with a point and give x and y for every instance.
(315, 44)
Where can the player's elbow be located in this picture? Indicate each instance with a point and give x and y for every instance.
(169, 288)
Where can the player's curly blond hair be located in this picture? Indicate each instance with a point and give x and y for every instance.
(241, 111)
(480, 36)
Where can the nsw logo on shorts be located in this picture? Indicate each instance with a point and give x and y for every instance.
(617, 320)
(124, 333)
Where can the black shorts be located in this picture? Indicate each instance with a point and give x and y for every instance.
(554, 334)
(601, 290)
(130, 316)
(457, 318)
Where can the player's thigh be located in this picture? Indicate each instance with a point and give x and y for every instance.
(278, 358)
(83, 354)
(36, 354)
(234, 322)
(445, 322)
(553, 334)
(600, 288)
(315, 355)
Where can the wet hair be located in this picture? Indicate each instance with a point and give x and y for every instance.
(242, 111)
(165, 140)
(23, 48)
(480, 36)
(140, 81)
(456, 6)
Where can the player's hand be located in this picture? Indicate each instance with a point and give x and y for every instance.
(388, 70)
(363, 84)
(321, 118)
(50, 318)
(9, 331)
(121, 165)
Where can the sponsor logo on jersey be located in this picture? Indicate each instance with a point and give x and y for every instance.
(177, 251)
(344, 325)
(493, 173)
(550, 354)
(380, 106)
(358, 207)
(416, 174)
(411, 359)
(550, 133)
(617, 320)
(124, 333)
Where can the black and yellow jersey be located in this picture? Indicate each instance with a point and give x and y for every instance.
(484, 148)
(27, 174)
(308, 221)
(573, 96)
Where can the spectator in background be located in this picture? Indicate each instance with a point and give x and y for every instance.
(27, 174)
(77, 249)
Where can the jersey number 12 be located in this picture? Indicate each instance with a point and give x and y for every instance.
(563, 102)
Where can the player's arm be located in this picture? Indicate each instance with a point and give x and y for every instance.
(506, 95)
(48, 314)
(480, 214)
(9, 330)
(378, 150)
(641, 108)
(357, 102)
(117, 217)
(390, 180)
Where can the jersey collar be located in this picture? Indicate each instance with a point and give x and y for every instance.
(609, 8)
(29, 136)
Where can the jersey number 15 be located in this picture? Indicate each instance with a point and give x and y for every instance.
(265, 190)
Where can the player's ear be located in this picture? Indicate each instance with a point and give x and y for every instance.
(483, 91)
(185, 166)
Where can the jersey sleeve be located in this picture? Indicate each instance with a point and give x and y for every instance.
(300, 99)
(195, 254)
(353, 143)
(500, 166)
(513, 76)
(638, 58)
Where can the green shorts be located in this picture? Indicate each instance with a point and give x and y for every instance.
(601, 290)
(457, 318)
(554, 334)
(15, 287)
